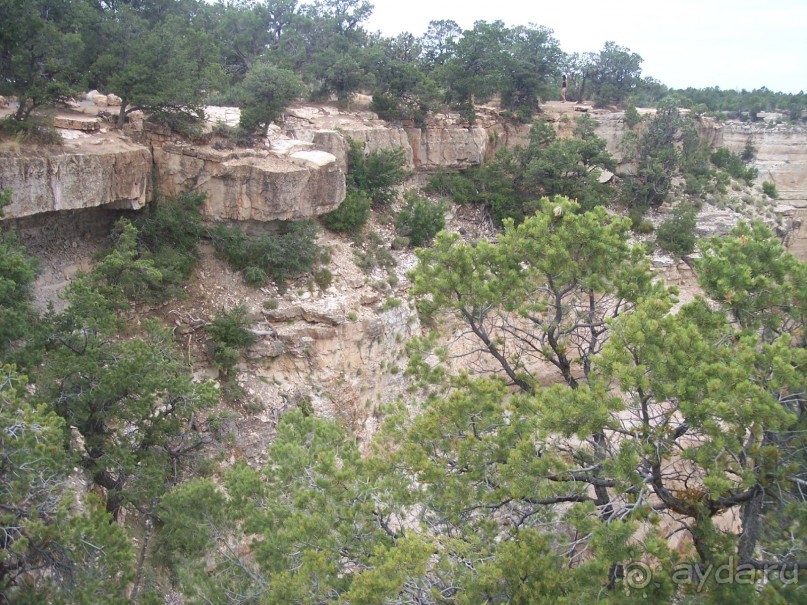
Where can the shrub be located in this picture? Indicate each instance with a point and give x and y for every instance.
(36, 129)
(399, 242)
(676, 235)
(734, 165)
(770, 190)
(188, 124)
(391, 303)
(644, 227)
(636, 216)
(255, 276)
(323, 278)
(420, 219)
(124, 272)
(174, 225)
(351, 215)
(632, 117)
(457, 186)
(229, 330)
(373, 254)
(278, 256)
(392, 107)
(749, 151)
(377, 173)
(232, 137)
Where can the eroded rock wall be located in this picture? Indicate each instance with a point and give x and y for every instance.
(252, 185)
(781, 155)
(41, 182)
(442, 143)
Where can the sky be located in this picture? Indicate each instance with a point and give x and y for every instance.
(733, 44)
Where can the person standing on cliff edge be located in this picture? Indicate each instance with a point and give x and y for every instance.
(563, 86)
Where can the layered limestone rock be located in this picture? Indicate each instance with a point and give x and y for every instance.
(112, 175)
(250, 184)
(781, 155)
(611, 127)
(448, 147)
(781, 158)
(442, 143)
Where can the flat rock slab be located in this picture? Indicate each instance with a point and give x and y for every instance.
(77, 123)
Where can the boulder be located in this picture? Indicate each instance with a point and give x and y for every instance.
(113, 100)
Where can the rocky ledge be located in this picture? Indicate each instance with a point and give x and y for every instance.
(100, 168)
(100, 171)
(257, 185)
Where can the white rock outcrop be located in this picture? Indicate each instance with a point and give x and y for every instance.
(118, 176)
(252, 185)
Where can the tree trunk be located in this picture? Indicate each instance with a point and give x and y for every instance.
(122, 114)
(21, 114)
(750, 532)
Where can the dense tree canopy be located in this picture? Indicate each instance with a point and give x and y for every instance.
(170, 56)
(599, 427)
(501, 489)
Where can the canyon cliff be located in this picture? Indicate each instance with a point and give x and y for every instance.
(299, 171)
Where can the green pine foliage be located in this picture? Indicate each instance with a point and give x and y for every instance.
(499, 489)
(230, 333)
(351, 215)
(376, 173)
(733, 164)
(264, 93)
(420, 219)
(18, 321)
(770, 190)
(273, 256)
(676, 235)
(52, 551)
(510, 184)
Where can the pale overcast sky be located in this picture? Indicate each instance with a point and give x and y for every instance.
(726, 43)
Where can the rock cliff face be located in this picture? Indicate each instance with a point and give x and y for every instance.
(443, 142)
(111, 175)
(781, 159)
(781, 156)
(300, 172)
(98, 169)
(252, 185)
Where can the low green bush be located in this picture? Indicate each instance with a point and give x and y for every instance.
(351, 215)
(632, 116)
(230, 332)
(455, 185)
(420, 219)
(373, 254)
(38, 128)
(676, 235)
(323, 278)
(376, 173)
(174, 224)
(733, 164)
(270, 256)
(770, 190)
